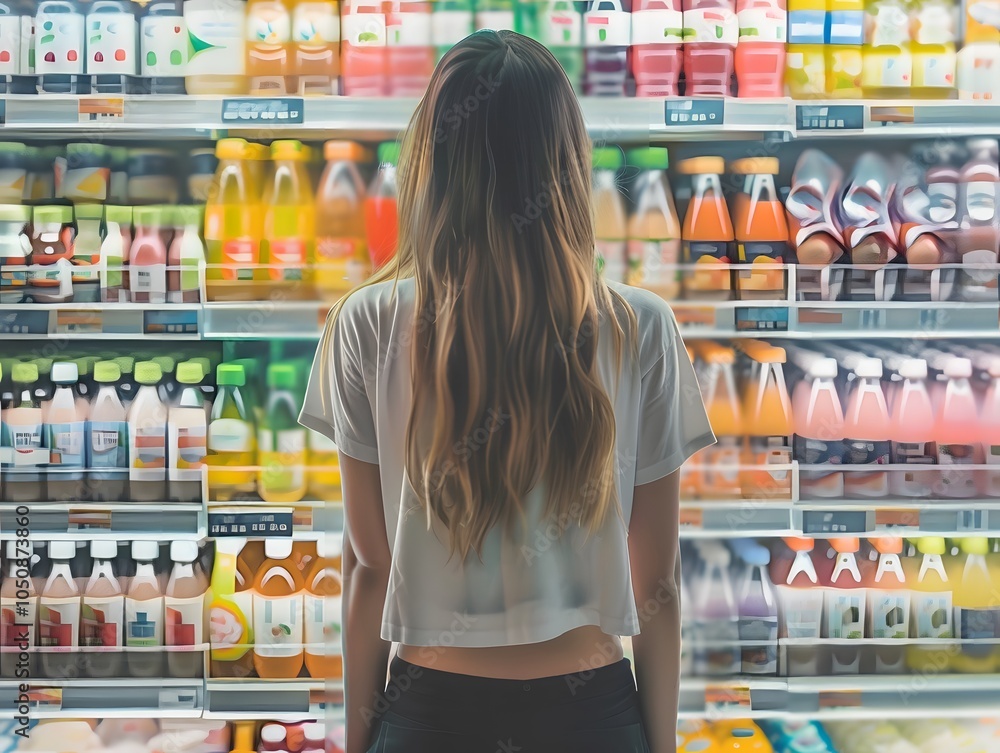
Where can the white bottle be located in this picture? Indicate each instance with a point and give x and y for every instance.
(108, 437)
(218, 66)
(184, 607)
(188, 430)
(59, 614)
(144, 613)
(185, 257)
(103, 617)
(716, 617)
(147, 430)
(66, 424)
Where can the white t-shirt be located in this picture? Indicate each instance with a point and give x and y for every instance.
(541, 581)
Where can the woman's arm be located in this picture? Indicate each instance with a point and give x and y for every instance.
(656, 572)
(367, 561)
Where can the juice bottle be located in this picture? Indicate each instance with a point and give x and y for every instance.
(888, 65)
(560, 28)
(977, 606)
(409, 47)
(933, 49)
(609, 214)
(185, 257)
(760, 229)
(163, 48)
(715, 613)
(268, 46)
(13, 16)
(978, 238)
(868, 230)
(324, 467)
(381, 217)
(188, 428)
(52, 249)
(116, 252)
(708, 230)
(59, 55)
(18, 607)
(912, 431)
(720, 463)
(845, 605)
(232, 229)
(87, 253)
(15, 248)
(654, 231)
(800, 601)
(281, 441)
(760, 54)
(184, 609)
(814, 230)
(768, 424)
(607, 34)
(341, 247)
(889, 604)
(322, 600)
(365, 62)
(657, 57)
(979, 57)
(108, 437)
(230, 613)
(144, 612)
(103, 615)
(758, 609)
(315, 47)
(217, 62)
(958, 432)
(59, 613)
(924, 209)
(289, 213)
(231, 436)
(147, 431)
(148, 258)
(451, 22)
(819, 432)
(277, 613)
(931, 604)
(844, 53)
(66, 423)
(112, 46)
(867, 431)
(711, 31)
(25, 430)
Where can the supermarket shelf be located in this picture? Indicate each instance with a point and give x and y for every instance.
(81, 698)
(276, 700)
(93, 521)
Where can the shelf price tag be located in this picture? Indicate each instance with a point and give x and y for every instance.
(250, 523)
(100, 109)
(840, 699)
(834, 521)
(727, 698)
(24, 322)
(829, 117)
(972, 521)
(283, 110)
(762, 319)
(178, 698)
(167, 322)
(687, 111)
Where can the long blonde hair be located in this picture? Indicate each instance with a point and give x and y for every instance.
(496, 230)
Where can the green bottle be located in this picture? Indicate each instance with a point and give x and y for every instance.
(451, 22)
(281, 439)
(232, 446)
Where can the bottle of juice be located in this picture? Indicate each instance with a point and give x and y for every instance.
(654, 231)
(760, 54)
(720, 463)
(112, 46)
(912, 431)
(957, 431)
(13, 16)
(148, 258)
(18, 606)
(322, 599)
(931, 604)
(184, 610)
(887, 69)
(760, 228)
(609, 214)
(758, 609)
(281, 441)
(217, 64)
(980, 53)
(607, 34)
(977, 604)
(59, 56)
(933, 49)
(711, 31)
(451, 22)
(560, 28)
(409, 47)
(819, 432)
(315, 47)
(768, 423)
(364, 61)
(289, 213)
(144, 612)
(277, 613)
(844, 57)
(814, 230)
(66, 430)
(889, 604)
(845, 605)
(147, 431)
(990, 432)
(230, 613)
(800, 601)
(87, 253)
(232, 215)
(978, 238)
(715, 612)
(657, 57)
(108, 437)
(163, 47)
(52, 249)
(103, 615)
(15, 248)
(185, 257)
(708, 230)
(59, 613)
(269, 37)
(25, 430)
(116, 252)
(232, 439)
(381, 217)
(341, 247)
(867, 431)
(868, 228)
(188, 427)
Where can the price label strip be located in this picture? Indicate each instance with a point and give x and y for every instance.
(101, 109)
(829, 117)
(167, 322)
(251, 523)
(839, 522)
(762, 319)
(283, 110)
(24, 322)
(687, 111)
(728, 698)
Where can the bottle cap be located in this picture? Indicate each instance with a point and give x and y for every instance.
(288, 149)
(702, 166)
(166, 363)
(62, 550)
(799, 544)
(65, 372)
(257, 152)
(183, 551)
(314, 732)
(607, 158)
(206, 364)
(53, 215)
(846, 544)
(190, 372)
(231, 148)
(913, 368)
(278, 549)
(824, 368)
(14, 213)
(89, 211)
(869, 368)
(388, 151)
(44, 365)
(121, 215)
(24, 373)
(931, 545)
(83, 364)
(755, 166)
(12, 147)
(125, 363)
(974, 545)
(888, 544)
(648, 158)
(103, 549)
(345, 151)
(145, 551)
(189, 216)
(230, 375)
(148, 372)
(272, 734)
(282, 376)
(107, 372)
(958, 368)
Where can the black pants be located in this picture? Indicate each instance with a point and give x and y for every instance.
(439, 712)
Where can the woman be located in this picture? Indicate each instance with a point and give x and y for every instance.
(510, 428)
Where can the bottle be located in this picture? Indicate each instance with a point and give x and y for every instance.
(758, 609)
(83, 173)
(715, 612)
(341, 247)
(59, 55)
(719, 464)
(977, 602)
(185, 257)
(66, 429)
(148, 258)
(44, 389)
(25, 430)
(51, 249)
(277, 613)
(59, 613)
(103, 615)
(800, 601)
(147, 430)
(13, 155)
(217, 62)
(925, 209)
(958, 432)
(654, 231)
(978, 238)
(990, 431)
(609, 214)
(112, 46)
(364, 61)
(322, 609)
(657, 56)
(281, 441)
(760, 229)
(268, 47)
(867, 431)
(888, 65)
(711, 31)
(144, 612)
(819, 432)
(845, 605)
(87, 253)
(17, 589)
(127, 386)
(889, 605)
(607, 32)
(760, 55)
(230, 613)
(707, 232)
(980, 53)
(188, 427)
(381, 217)
(108, 437)
(231, 436)
(813, 226)
(931, 605)
(867, 225)
(451, 22)
(232, 224)
(14, 16)
(409, 50)
(315, 47)
(912, 432)
(289, 214)
(844, 52)
(560, 29)
(933, 49)
(15, 248)
(768, 424)
(184, 609)
(115, 253)
(163, 48)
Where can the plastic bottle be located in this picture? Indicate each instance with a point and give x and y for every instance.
(144, 612)
(760, 54)
(364, 59)
(990, 431)
(108, 437)
(844, 57)
(15, 248)
(719, 477)
(711, 31)
(278, 613)
(116, 252)
(980, 53)
(409, 50)
(59, 613)
(888, 65)
(760, 229)
(657, 56)
(281, 441)
(560, 28)
(17, 589)
(185, 257)
(232, 439)
(958, 433)
(867, 225)
(451, 22)
(913, 431)
(112, 46)
(845, 605)
(147, 429)
(707, 232)
(230, 613)
(184, 609)
(188, 429)
(13, 155)
(867, 431)
(607, 34)
(819, 432)
(381, 216)
(52, 248)
(163, 44)
(87, 253)
(767, 420)
(59, 48)
(14, 15)
(716, 615)
(233, 215)
(341, 247)
(931, 605)
(758, 609)
(148, 258)
(289, 214)
(66, 433)
(103, 616)
(977, 603)
(654, 231)
(609, 214)
(268, 48)
(127, 386)
(978, 238)
(801, 605)
(322, 609)
(26, 437)
(889, 604)
(217, 62)
(315, 46)
(933, 29)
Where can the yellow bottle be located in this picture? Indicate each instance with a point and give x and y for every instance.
(805, 62)
(289, 213)
(931, 604)
(887, 67)
(233, 214)
(977, 600)
(231, 437)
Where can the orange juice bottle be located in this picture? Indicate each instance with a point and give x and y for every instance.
(341, 244)
(609, 214)
(269, 36)
(654, 231)
(708, 230)
(720, 478)
(277, 613)
(316, 45)
(289, 213)
(767, 421)
(761, 229)
(323, 606)
(232, 215)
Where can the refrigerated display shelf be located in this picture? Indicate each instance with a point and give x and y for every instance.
(86, 698)
(92, 521)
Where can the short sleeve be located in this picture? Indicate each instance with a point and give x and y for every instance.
(336, 402)
(673, 424)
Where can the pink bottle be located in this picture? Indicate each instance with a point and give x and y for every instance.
(991, 432)
(867, 432)
(912, 431)
(364, 58)
(410, 54)
(760, 54)
(710, 33)
(958, 432)
(147, 277)
(657, 57)
(819, 429)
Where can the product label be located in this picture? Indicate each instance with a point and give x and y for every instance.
(495, 19)
(229, 435)
(712, 25)
(215, 30)
(149, 279)
(58, 622)
(239, 256)
(934, 69)
(364, 29)
(59, 41)
(932, 615)
(890, 613)
(231, 633)
(887, 67)
(762, 25)
(26, 64)
(10, 45)
(290, 255)
(184, 621)
(26, 439)
(563, 28)
(282, 457)
(974, 624)
(801, 612)
(449, 27)
(11, 179)
(323, 623)
(144, 622)
(845, 613)
(148, 451)
(112, 43)
(67, 447)
(18, 627)
(102, 621)
(657, 27)
(913, 483)
(806, 26)
(277, 625)
(188, 448)
(607, 28)
(763, 658)
(89, 184)
(408, 29)
(953, 480)
(164, 46)
(864, 452)
(108, 444)
(846, 27)
(269, 24)
(815, 452)
(315, 24)
(714, 257)
(654, 265)
(612, 259)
